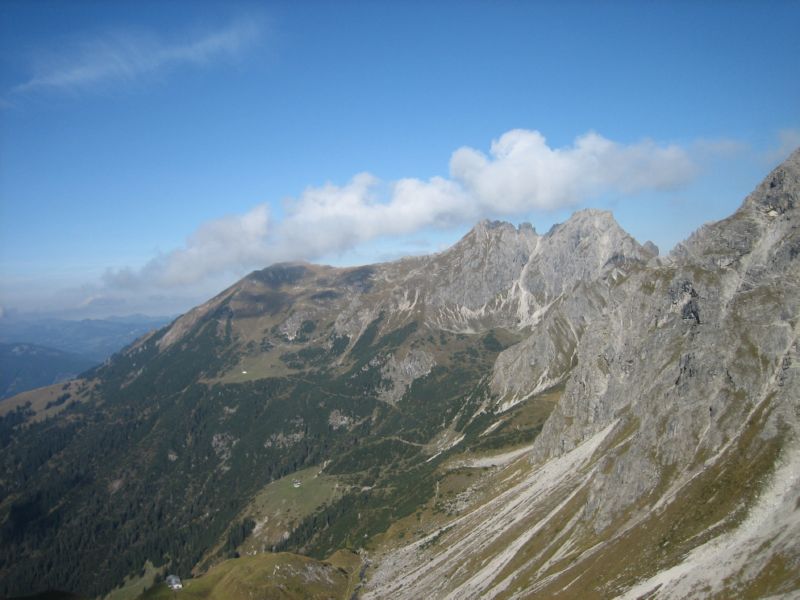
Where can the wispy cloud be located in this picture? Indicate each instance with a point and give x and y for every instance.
(521, 173)
(714, 148)
(788, 142)
(121, 57)
(233, 242)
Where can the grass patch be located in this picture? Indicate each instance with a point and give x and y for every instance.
(279, 506)
(134, 585)
(284, 576)
(520, 426)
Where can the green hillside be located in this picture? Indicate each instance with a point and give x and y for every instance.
(265, 576)
(167, 458)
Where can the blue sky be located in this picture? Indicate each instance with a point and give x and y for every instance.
(153, 152)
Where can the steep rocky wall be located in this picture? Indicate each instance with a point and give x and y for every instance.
(669, 467)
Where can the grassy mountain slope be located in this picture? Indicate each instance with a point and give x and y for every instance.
(162, 458)
(267, 576)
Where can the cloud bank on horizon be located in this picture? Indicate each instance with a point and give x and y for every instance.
(520, 174)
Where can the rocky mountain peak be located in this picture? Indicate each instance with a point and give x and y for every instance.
(494, 232)
(487, 224)
(762, 230)
(779, 193)
(583, 248)
(590, 217)
(280, 274)
(651, 248)
(590, 226)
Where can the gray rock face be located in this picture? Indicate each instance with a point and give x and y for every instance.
(566, 284)
(587, 246)
(399, 374)
(691, 349)
(687, 319)
(670, 468)
(484, 264)
(498, 275)
(545, 358)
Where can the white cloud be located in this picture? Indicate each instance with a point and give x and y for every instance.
(334, 219)
(232, 243)
(126, 57)
(521, 174)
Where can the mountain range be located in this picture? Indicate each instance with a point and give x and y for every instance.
(36, 352)
(28, 366)
(523, 415)
(95, 339)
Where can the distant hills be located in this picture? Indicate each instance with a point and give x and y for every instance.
(95, 339)
(40, 352)
(27, 366)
